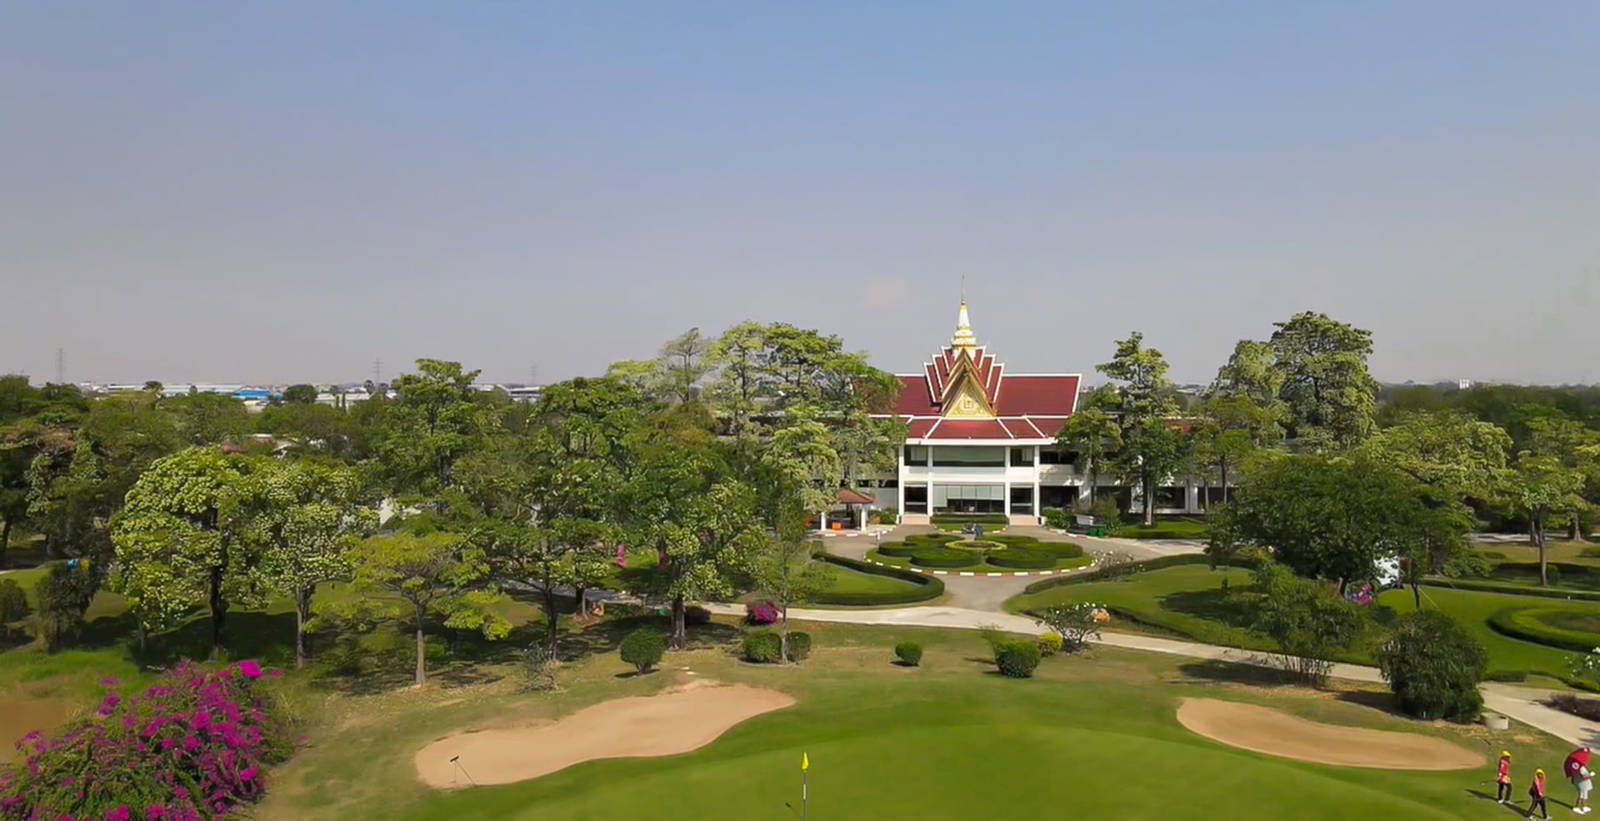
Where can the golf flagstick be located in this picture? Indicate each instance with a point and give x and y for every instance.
(805, 766)
(457, 761)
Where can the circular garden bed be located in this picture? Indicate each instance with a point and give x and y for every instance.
(1566, 626)
(943, 551)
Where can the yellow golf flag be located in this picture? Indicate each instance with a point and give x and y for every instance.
(805, 762)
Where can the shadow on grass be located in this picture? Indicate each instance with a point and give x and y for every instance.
(1372, 698)
(1212, 605)
(1212, 671)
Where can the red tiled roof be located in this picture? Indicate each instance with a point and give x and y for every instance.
(970, 429)
(918, 428)
(849, 496)
(1023, 395)
(914, 399)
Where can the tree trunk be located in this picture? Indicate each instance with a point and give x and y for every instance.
(1572, 533)
(302, 613)
(1094, 479)
(219, 612)
(1149, 499)
(422, 655)
(783, 635)
(680, 630)
(1536, 521)
(1416, 596)
(550, 619)
(5, 540)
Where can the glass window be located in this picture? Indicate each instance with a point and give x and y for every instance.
(1057, 456)
(1022, 457)
(969, 498)
(1022, 499)
(889, 483)
(916, 499)
(915, 455)
(1170, 497)
(969, 457)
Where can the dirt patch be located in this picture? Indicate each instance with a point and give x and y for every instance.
(637, 727)
(1274, 732)
(20, 716)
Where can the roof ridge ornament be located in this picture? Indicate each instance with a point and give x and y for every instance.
(964, 339)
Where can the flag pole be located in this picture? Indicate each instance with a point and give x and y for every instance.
(805, 771)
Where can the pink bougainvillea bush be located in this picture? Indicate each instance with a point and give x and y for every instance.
(190, 747)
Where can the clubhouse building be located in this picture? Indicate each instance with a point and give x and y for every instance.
(982, 440)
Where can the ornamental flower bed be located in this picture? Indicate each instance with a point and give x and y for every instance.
(190, 747)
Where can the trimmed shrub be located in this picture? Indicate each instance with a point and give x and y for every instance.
(1050, 644)
(909, 653)
(888, 515)
(1016, 659)
(764, 612)
(1021, 558)
(927, 587)
(1055, 517)
(1433, 667)
(932, 538)
(194, 745)
(13, 602)
(696, 616)
(64, 595)
(944, 557)
(900, 549)
(1062, 550)
(643, 648)
(1533, 624)
(799, 645)
(760, 646)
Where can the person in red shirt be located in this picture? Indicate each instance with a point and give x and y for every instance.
(1536, 793)
(1502, 779)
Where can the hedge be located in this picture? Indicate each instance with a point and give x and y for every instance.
(901, 549)
(966, 518)
(1104, 573)
(1515, 589)
(761, 646)
(944, 557)
(1061, 550)
(1013, 541)
(928, 587)
(1523, 623)
(933, 538)
(799, 645)
(1022, 558)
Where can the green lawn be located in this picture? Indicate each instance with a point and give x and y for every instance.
(949, 740)
(1165, 527)
(1188, 601)
(852, 581)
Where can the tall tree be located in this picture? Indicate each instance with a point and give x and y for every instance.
(1575, 446)
(208, 418)
(1093, 434)
(182, 539)
(683, 364)
(1461, 456)
(1150, 448)
(1251, 374)
(435, 419)
(786, 574)
(1329, 395)
(684, 502)
(309, 514)
(1540, 485)
(1230, 429)
(412, 577)
(301, 394)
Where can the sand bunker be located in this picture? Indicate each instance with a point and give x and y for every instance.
(1265, 730)
(668, 724)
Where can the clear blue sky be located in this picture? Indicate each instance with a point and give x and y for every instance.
(286, 191)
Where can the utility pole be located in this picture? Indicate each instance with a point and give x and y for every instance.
(377, 371)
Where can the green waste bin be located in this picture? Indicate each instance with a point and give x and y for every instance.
(1097, 530)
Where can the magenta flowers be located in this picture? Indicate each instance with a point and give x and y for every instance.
(192, 746)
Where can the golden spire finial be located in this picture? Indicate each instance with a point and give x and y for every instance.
(964, 338)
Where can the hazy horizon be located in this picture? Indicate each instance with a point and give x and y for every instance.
(285, 193)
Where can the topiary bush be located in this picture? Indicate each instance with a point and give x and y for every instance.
(643, 648)
(760, 646)
(799, 645)
(888, 515)
(1555, 625)
(900, 549)
(909, 653)
(64, 595)
(1016, 659)
(943, 557)
(1433, 667)
(1050, 644)
(13, 602)
(932, 538)
(1056, 518)
(1021, 558)
(1013, 541)
(193, 745)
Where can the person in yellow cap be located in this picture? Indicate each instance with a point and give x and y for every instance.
(1536, 793)
(1502, 779)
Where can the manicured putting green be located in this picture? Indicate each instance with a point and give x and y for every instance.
(979, 748)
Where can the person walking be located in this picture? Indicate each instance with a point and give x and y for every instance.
(1577, 771)
(1536, 794)
(1502, 779)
